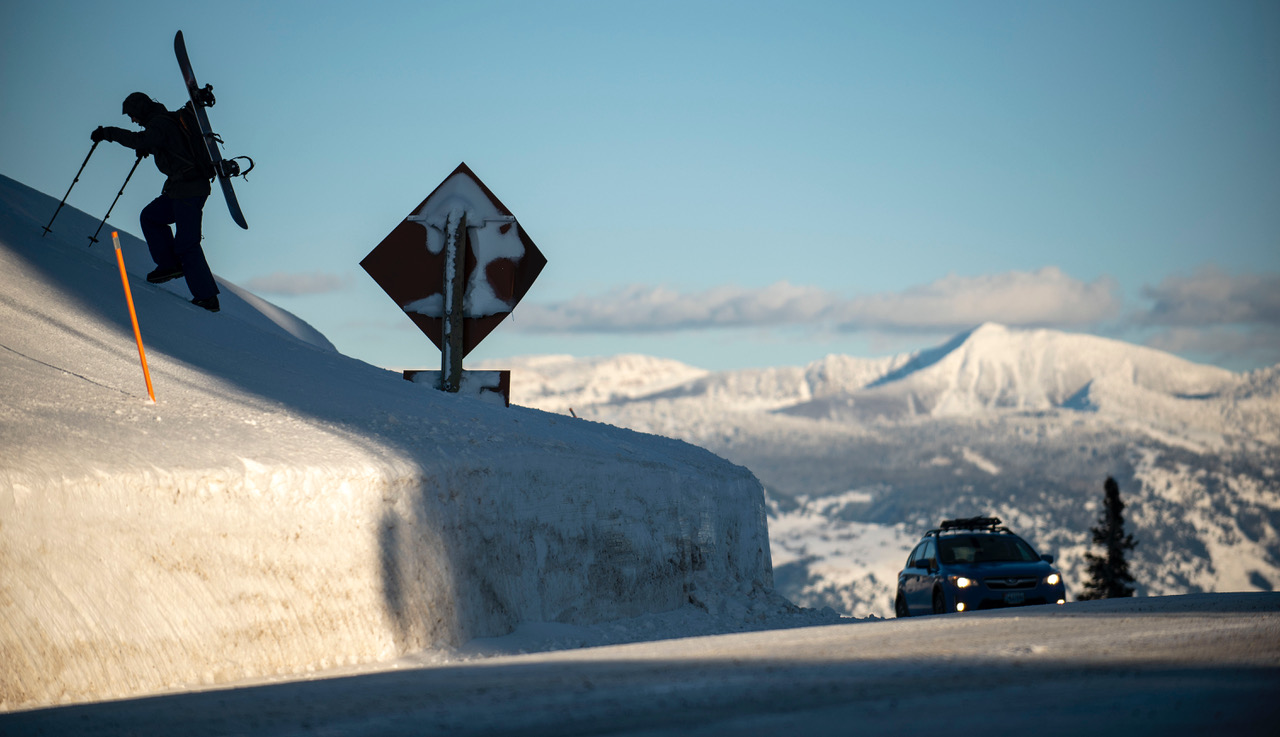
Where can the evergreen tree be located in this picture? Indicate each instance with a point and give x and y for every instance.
(1109, 573)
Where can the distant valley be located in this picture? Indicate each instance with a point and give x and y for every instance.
(861, 456)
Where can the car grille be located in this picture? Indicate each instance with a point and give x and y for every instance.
(1001, 604)
(1010, 584)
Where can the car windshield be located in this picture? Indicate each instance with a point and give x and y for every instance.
(984, 549)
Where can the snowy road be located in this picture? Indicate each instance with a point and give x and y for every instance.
(1177, 665)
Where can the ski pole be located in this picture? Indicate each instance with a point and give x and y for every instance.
(133, 316)
(68, 194)
(94, 238)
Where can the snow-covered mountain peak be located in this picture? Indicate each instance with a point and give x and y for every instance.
(998, 367)
(991, 368)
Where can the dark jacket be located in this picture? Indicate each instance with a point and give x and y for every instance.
(163, 140)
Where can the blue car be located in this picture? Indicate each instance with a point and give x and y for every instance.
(975, 563)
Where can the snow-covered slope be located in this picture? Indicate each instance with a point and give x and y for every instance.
(558, 383)
(860, 457)
(283, 508)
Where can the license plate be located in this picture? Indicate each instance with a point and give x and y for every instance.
(1016, 598)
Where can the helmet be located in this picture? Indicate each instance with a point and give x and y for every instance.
(136, 104)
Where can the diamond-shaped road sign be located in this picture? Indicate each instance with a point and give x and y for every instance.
(501, 260)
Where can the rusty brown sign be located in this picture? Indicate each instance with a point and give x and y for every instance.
(501, 261)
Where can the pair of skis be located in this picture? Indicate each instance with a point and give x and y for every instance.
(225, 169)
(202, 98)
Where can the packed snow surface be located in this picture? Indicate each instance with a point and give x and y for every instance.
(1188, 665)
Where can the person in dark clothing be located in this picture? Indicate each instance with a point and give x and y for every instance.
(181, 201)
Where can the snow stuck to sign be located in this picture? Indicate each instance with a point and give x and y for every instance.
(493, 236)
(283, 508)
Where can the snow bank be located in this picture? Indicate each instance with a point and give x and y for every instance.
(283, 508)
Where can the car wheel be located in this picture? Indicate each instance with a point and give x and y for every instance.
(939, 602)
(900, 607)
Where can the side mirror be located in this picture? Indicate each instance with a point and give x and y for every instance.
(1047, 558)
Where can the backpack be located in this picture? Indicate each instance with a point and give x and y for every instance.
(197, 153)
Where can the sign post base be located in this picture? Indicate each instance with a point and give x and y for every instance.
(488, 385)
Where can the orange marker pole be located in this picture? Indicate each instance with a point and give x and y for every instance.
(133, 315)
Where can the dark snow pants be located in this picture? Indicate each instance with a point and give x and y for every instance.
(182, 249)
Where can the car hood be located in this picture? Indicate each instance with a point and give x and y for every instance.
(1002, 570)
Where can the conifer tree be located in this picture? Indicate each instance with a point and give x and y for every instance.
(1109, 573)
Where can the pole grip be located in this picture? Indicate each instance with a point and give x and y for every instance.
(133, 316)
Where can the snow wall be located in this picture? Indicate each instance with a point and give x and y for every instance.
(136, 582)
(282, 508)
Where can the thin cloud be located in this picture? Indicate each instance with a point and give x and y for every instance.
(1233, 320)
(1213, 297)
(1046, 297)
(297, 285)
(1043, 298)
(1217, 341)
(658, 309)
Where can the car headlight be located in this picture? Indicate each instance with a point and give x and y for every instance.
(964, 583)
(1053, 579)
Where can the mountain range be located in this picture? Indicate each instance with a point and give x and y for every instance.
(860, 457)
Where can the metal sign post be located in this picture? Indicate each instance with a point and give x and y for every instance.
(455, 259)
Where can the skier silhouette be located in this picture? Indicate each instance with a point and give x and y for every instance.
(181, 202)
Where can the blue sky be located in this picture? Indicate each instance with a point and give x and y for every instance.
(729, 184)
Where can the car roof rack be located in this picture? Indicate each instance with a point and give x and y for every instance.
(984, 524)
